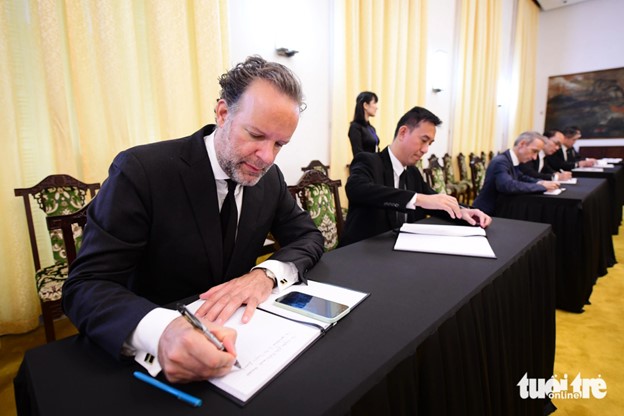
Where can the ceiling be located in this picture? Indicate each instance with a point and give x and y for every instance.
(554, 4)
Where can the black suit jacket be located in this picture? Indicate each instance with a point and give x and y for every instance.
(361, 138)
(373, 199)
(557, 162)
(531, 168)
(153, 236)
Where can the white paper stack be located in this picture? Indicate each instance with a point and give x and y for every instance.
(444, 239)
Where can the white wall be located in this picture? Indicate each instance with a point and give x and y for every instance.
(440, 63)
(303, 25)
(583, 37)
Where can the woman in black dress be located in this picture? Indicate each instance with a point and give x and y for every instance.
(362, 135)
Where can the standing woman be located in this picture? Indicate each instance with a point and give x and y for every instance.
(362, 135)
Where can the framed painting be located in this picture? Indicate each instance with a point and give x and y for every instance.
(593, 101)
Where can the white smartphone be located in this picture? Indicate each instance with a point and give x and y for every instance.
(312, 306)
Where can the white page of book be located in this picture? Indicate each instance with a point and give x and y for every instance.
(554, 191)
(603, 164)
(571, 181)
(264, 346)
(443, 230)
(473, 246)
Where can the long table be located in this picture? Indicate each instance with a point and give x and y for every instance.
(615, 180)
(439, 334)
(581, 220)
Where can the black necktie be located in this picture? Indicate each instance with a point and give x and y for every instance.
(571, 155)
(402, 180)
(402, 216)
(229, 219)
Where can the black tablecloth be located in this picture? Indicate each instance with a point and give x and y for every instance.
(615, 178)
(581, 220)
(438, 335)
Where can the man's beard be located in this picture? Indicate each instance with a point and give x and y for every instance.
(231, 164)
(233, 170)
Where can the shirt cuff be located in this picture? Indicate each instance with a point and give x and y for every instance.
(412, 202)
(144, 339)
(286, 273)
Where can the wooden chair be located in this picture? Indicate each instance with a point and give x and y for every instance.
(464, 177)
(318, 194)
(460, 188)
(71, 227)
(434, 174)
(56, 195)
(317, 165)
(477, 168)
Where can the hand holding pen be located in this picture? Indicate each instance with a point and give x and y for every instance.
(197, 324)
(184, 354)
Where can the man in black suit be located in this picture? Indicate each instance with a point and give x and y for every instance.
(386, 189)
(154, 233)
(567, 158)
(540, 167)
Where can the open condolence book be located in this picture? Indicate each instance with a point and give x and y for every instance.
(460, 240)
(274, 337)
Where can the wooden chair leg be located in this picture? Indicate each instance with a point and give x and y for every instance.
(48, 312)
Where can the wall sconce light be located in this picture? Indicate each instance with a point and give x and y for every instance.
(289, 53)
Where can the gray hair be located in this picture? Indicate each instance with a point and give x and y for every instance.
(236, 80)
(529, 137)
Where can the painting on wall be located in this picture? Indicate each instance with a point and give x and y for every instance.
(593, 101)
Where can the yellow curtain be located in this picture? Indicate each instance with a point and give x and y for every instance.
(81, 81)
(474, 121)
(379, 46)
(523, 69)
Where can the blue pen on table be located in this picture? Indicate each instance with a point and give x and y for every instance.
(180, 395)
(193, 320)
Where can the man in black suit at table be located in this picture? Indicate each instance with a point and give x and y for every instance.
(540, 167)
(386, 190)
(567, 158)
(155, 233)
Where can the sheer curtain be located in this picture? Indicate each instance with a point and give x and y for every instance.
(523, 69)
(379, 46)
(82, 81)
(474, 121)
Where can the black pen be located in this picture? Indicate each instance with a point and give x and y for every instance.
(193, 320)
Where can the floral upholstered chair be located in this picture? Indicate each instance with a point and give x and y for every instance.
(318, 195)
(419, 166)
(477, 168)
(461, 188)
(57, 196)
(435, 177)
